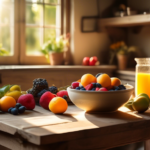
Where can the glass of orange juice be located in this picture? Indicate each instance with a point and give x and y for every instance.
(142, 82)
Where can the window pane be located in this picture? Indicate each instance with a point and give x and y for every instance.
(6, 39)
(48, 33)
(7, 26)
(34, 14)
(34, 40)
(52, 15)
(52, 1)
(34, 1)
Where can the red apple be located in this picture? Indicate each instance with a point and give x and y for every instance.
(27, 100)
(86, 61)
(93, 61)
(45, 99)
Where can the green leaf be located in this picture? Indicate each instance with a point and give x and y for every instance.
(4, 90)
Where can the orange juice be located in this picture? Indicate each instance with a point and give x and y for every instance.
(143, 83)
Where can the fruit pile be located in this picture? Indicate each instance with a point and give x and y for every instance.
(15, 101)
(100, 82)
(140, 103)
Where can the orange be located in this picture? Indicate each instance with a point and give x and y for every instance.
(115, 81)
(58, 105)
(7, 102)
(104, 80)
(87, 79)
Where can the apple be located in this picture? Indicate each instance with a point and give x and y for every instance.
(93, 61)
(86, 61)
(27, 100)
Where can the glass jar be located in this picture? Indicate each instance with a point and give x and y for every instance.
(142, 82)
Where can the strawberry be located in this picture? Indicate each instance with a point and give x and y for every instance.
(89, 87)
(97, 89)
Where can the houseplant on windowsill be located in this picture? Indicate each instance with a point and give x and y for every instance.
(54, 50)
(121, 51)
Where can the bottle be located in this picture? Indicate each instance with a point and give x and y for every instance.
(142, 80)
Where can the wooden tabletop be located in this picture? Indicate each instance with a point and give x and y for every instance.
(75, 129)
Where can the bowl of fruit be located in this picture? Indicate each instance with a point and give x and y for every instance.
(99, 93)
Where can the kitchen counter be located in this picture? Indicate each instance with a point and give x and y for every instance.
(42, 130)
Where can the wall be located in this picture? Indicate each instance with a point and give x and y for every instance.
(142, 39)
(87, 44)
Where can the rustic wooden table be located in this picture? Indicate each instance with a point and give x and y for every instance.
(74, 130)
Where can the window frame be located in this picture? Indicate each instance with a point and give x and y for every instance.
(19, 56)
(5, 60)
(24, 59)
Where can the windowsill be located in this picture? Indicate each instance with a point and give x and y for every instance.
(68, 67)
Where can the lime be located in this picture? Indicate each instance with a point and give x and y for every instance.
(129, 104)
(140, 104)
(143, 94)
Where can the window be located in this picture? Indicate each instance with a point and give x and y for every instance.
(25, 25)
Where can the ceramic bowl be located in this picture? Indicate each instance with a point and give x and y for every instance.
(99, 101)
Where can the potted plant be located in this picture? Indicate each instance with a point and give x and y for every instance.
(3, 52)
(54, 50)
(121, 51)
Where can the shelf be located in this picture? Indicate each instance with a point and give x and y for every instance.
(62, 67)
(126, 21)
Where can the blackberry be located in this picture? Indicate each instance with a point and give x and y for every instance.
(32, 91)
(65, 97)
(40, 84)
(53, 89)
(41, 92)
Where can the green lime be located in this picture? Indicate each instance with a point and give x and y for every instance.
(140, 104)
(129, 104)
(143, 94)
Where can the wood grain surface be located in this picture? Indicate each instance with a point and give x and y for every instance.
(75, 129)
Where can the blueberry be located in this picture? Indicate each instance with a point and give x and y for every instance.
(94, 85)
(9, 110)
(116, 88)
(22, 109)
(83, 89)
(111, 90)
(65, 97)
(77, 88)
(14, 111)
(122, 87)
(93, 89)
(98, 75)
(98, 85)
(18, 105)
